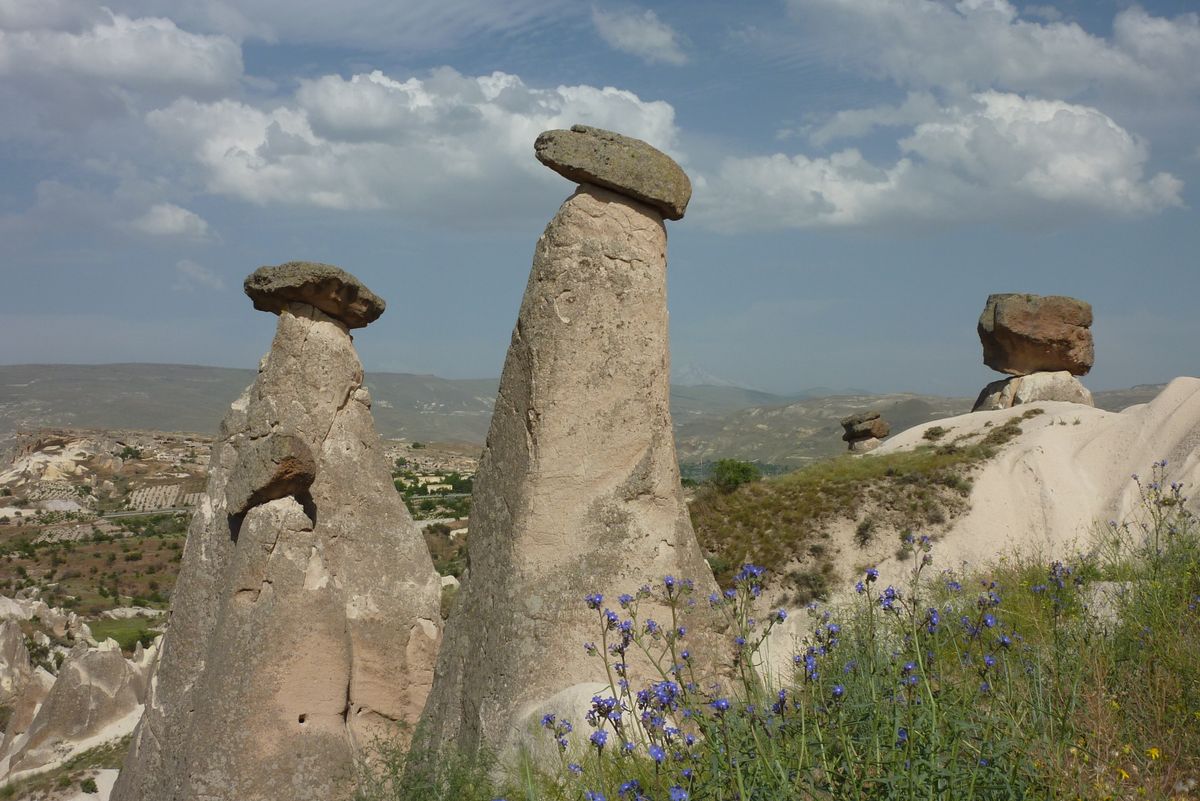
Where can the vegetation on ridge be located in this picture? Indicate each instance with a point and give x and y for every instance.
(784, 522)
(1026, 680)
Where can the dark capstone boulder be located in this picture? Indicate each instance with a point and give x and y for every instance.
(334, 291)
(866, 425)
(1024, 334)
(623, 164)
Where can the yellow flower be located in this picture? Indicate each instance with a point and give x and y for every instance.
(1124, 776)
(1153, 753)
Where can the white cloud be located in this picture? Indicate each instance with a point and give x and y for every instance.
(26, 15)
(410, 26)
(135, 53)
(190, 276)
(997, 157)
(445, 146)
(169, 220)
(639, 33)
(855, 123)
(978, 44)
(1048, 13)
(1172, 47)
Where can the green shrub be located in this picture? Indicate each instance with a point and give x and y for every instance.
(729, 474)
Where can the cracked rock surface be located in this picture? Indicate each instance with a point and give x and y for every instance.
(323, 286)
(578, 489)
(305, 621)
(620, 163)
(1025, 334)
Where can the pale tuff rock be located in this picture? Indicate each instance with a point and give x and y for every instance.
(16, 671)
(865, 444)
(305, 621)
(1024, 334)
(95, 688)
(578, 488)
(15, 609)
(323, 286)
(24, 710)
(1009, 392)
(623, 164)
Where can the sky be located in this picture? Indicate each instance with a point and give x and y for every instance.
(865, 173)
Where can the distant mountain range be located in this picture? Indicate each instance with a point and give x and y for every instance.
(711, 421)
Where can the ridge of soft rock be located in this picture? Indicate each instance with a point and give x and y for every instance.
(621, 163)
(323, 286)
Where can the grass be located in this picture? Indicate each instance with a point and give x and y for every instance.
(74, 773)
(127, 633)
(99, 573)
(1008, 683)
(787, 519)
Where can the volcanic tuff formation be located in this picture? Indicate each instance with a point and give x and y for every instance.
(305, 619)
(1009, 392)
(1044, 342)
(578, 489)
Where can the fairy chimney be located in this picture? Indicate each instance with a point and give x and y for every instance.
(305, 622)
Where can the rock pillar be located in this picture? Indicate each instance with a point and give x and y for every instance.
(578, 489)
(306, 618)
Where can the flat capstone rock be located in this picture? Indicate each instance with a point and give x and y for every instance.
(620, 163)
(330, 289)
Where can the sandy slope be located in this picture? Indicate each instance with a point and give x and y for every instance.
(1068, 472)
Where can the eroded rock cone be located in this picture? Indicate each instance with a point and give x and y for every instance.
(1024, 334)
(305, 619)
(578, 489)
(95, 689)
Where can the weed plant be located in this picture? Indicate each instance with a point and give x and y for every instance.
(1009, 685)
(1030, 680)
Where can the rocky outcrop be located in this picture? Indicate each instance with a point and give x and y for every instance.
(96, 689)
(305, 621)
(15, 667)
(1043, 342)
(623, 164)
(322, 286)
(1009, 392)
(578, 489)
(864, 432)
(1024, 334)
(24, 710)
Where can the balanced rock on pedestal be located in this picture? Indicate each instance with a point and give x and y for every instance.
(1023, 334)
(1044, 342)
(305, 621)
(578, 489)
(864, 432)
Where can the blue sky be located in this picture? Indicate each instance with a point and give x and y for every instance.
(866, 172)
